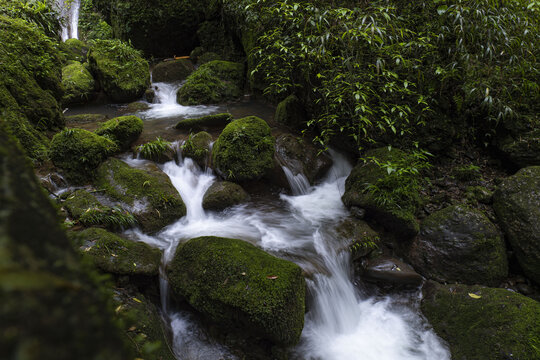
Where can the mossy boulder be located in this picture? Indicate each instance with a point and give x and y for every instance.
(159, 150)
(517, 204)
(301, 157)
(459, 244)
(173, 70)
(223, 194)
(78, 83)
(197, 147)
(244, 150)
(290, 112)
(149, 195)
(523, 150)
(398, 214)
(205, 122)
(483, 323)
(53, 305)
(135, 107)
(76, 50)
(78, 153)
(30, 90)
(241, 287)
(76, 203)
(362, 240)
(116, 255)
(121, 71)
(123, 130)
(214, 82)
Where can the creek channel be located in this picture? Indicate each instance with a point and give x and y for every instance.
(344, 321)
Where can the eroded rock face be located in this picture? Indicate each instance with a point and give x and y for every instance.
(244, 150)
(223, 194)
(483, 323)
(150, 195)
(459, 244)
(53, 306)
(301, 157)
(241, 287)
(517, 204)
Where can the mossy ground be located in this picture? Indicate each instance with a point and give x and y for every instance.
(501, 324)
(79, 152)
(123, 130)
(244, 150)
(238, 285)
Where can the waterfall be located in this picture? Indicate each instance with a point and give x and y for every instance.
(69, 13)
(342, 323)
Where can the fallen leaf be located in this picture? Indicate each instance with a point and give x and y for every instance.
(474, 296)
(398, 269)
(137, 300)
(118, 309)
(244, 273)
(272, 277)
(133, 328)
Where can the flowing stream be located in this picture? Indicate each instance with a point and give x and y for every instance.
(342, 323)
(69, 14)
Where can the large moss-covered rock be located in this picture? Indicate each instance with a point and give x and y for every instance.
(122, 72)
(222, 194)
(150, 196)
(205, 123)
(53, 306)
(173, 70)
(291, 112)
(241, 287)
(30, 90)
(116, 255)
(197, 147)
(78, 202)
(483, 323)
(79, 152)
(244, 150)
(78, 83)
(75, 50)
(214, 82)
(522, 150)
(301, 157)
(123, 130)
(397, 215)
(517, 205)
(362, 240)
(151, 25)
(459, 244)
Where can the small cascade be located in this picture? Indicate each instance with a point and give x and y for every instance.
(342, 323)
(69, 12)
(299, 183)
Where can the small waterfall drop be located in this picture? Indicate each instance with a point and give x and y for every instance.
(342, 323)
(69, 12)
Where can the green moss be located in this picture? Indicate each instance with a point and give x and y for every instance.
(123, 130)
(197, 147)
(77, 120)
(220, 195)
(116, 255)
(53, 305)
(170, 71)
(120, 69)
(213, 82)
(240, 286)
(34, 142)
(78, 83)
(205, 122)
(76, 50)
(501, 324)
(158, 150)
(290, 112)
(244, 150)
(158, 202)
(78, 202)
(79, 152)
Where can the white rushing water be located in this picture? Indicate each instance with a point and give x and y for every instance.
(165, 104)
(342, 323)
(69, 13)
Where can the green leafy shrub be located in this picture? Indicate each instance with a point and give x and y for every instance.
(155, 150)
(38, 12)
(112, 218)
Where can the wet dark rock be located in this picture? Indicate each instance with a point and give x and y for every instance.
(357, 212)
(483, 323)
(522, 150)
(205, 123)
(291, 112)
(517, 204)
(173, 70)
(241, 287)
(390, 270)
(363, 240)
(223, 194)
(479, 194)
(301, 157)
(149, 195)
(459, 244)
(135, 107)
(150, 95)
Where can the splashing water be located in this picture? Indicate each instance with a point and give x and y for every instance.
(342, 323)
(69, 13)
